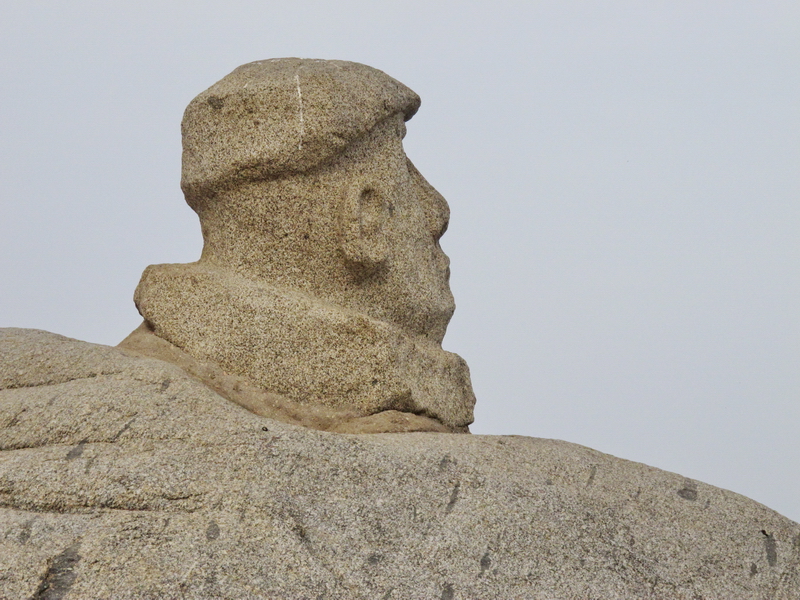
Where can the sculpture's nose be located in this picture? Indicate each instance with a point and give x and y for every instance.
(434, 204)
(441, 211)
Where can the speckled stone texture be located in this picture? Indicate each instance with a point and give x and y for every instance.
(366, 363)
(321, 276)
(122, 477)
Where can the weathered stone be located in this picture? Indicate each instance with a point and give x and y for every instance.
(124, 477)
(321, 278)
(318, 308)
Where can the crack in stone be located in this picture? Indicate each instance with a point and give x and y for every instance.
(22, 386)
(79, 509)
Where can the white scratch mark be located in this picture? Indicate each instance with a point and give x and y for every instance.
(300, 100)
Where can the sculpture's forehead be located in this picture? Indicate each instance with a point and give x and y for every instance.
(279, 116)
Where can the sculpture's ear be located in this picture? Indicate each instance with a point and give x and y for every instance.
(364, 211)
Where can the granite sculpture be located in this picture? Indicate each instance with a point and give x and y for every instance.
(321, 284)
(204, 458)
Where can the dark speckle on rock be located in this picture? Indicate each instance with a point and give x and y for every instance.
(60, 575)
(486, 562)
(212, 532)
(453, 499)
(446, 462)
(25, 534)
(689, 491)
(771, 547)
(215, 102)
(123, 430)
(447, 591)
(76, 451)
(592, 474)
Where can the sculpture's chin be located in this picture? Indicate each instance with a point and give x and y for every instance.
(442, 321)
(429, 321)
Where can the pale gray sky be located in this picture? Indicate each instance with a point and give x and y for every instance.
(623, 176)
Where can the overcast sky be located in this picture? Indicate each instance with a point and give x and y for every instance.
(623, 177)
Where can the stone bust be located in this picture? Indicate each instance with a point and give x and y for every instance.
(321, 291)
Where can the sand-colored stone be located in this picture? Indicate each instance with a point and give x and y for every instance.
(219, 451)
(321, 278)
(123, 477)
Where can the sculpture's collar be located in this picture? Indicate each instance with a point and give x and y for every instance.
(307, 350)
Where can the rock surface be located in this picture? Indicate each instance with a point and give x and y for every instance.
(123, 477)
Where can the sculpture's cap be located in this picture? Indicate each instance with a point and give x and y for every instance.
(279, 116)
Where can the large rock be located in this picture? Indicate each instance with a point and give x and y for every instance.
(123, 477)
